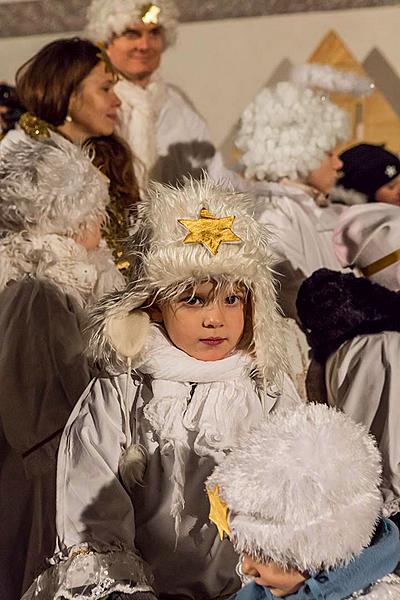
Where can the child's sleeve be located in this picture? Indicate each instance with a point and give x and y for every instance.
(95, 518)
(363, 379)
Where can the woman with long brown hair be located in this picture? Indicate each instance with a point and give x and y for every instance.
(67, 89)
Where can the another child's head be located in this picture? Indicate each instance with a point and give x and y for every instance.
(202, 271)
(370, 173)
(289, 131)
(299, 495)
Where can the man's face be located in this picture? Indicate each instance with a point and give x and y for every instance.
(137, 52)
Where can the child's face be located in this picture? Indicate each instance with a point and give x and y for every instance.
(280, 583)
(204, 324)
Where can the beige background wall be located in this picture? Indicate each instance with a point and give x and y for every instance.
(222, 64)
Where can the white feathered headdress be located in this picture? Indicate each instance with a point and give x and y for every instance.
(49, 186)
(166, 264)
(108, 17)
(302, 490)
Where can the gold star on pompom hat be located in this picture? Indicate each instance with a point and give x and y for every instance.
(218, 512)
(210, 231)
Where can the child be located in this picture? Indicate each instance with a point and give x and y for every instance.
(52, 266)
(300, 500)
(207, 368)
(353, 327)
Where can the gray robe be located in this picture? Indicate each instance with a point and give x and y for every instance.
(42, 374)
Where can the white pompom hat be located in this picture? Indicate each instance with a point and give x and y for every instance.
(287, 130)
(368, 237)
(108, 17)
(302, 490)
(49, 186)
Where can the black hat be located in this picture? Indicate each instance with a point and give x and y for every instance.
(366, 168)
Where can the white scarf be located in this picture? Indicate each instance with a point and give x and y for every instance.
(216, 400)
(75, 271)
(138, 119)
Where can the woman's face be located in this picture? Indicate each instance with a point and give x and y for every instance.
(389, 193)
(93, 106)
(324, 178)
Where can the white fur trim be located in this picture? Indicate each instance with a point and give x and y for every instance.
(286, 131)
(108, 17)
(49, 186)
(132, 466)
(346, 196)
(303, 488)
(325, 77)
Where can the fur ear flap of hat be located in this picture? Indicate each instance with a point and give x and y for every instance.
(49, 186)
(108, 17)
(302, 489)
(366, 234)
(165, 266)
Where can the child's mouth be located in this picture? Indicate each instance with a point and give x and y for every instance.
(212, 341)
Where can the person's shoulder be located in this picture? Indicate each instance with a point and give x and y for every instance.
(34, 290)
(252, 591)
(177, 98)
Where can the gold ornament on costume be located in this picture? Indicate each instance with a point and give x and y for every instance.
(103, 56)
(151, 14)
(218, 512)
(35, 127)
(209, 231)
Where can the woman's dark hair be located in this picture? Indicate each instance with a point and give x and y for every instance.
(113, 157)
(46, 82)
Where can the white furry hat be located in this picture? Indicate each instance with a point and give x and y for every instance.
(49, 186)
(108, 17)
(167, 262)
(302, 490)
(287, 130)
(368, 237)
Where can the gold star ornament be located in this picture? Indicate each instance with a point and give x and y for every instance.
(209, 231)
(218, 512)
(151, 14)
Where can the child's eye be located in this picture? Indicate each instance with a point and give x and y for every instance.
(192, 300)
(234, 299)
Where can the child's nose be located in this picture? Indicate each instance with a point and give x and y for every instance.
(213, 317)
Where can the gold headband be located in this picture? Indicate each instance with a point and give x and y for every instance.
(150, 14)
(381, 264)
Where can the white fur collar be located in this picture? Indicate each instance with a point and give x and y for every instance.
(81, 274)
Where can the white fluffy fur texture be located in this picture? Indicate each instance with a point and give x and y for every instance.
(325, 77)
(302, 489)
(287, 130)
(346, 196)
(49, 186)
(165, 263)
(108, 17)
